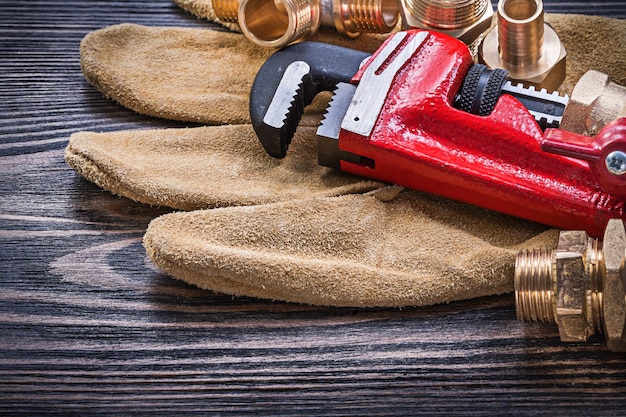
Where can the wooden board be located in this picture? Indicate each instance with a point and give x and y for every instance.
(87, 326)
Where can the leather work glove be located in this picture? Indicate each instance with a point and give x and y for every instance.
(289, 229)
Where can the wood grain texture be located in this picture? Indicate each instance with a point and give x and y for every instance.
(87, 326)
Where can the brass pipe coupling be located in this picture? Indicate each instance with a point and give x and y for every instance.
(523, 44)
(462, 19)
(277, 23)
(580, 286)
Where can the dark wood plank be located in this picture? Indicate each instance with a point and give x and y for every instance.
(88, 327)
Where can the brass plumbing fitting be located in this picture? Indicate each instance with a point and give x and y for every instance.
(595, 101)
(580, 286)
(523, 44)
(277, 23)
(462, 19)
(226, 10)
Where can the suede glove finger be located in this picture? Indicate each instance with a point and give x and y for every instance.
(203, 167)
(189, 75)
(363, 250)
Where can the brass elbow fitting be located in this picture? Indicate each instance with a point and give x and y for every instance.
(580, 286)
(277, 23)
(595, 101)
(462, 19)
(523, 44)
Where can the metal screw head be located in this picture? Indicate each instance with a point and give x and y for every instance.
(616, 162)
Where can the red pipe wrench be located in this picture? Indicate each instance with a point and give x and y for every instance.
(419, 113)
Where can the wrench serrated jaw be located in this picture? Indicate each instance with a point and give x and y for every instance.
(337, 108)
(285, 100)
(328, 153)
(287, 105)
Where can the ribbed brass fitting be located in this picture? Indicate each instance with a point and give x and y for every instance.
(579, 286)
(526, 46)
(462, 19)
(277, 23)
(226, 10)
(595, 101)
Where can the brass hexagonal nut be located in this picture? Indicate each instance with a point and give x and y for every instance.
(614, 301)
(595, 101)
(571, 286)
(412, 14)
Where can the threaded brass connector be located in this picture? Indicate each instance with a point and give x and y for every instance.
(462, 19)
(274, 24)
(226, 10)
(277, 23)
(523, 44)
(580, 286)
(353, 17)
(533, 286)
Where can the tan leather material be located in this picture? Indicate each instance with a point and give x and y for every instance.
(192, 75)
(353, 250)
(204, 167)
